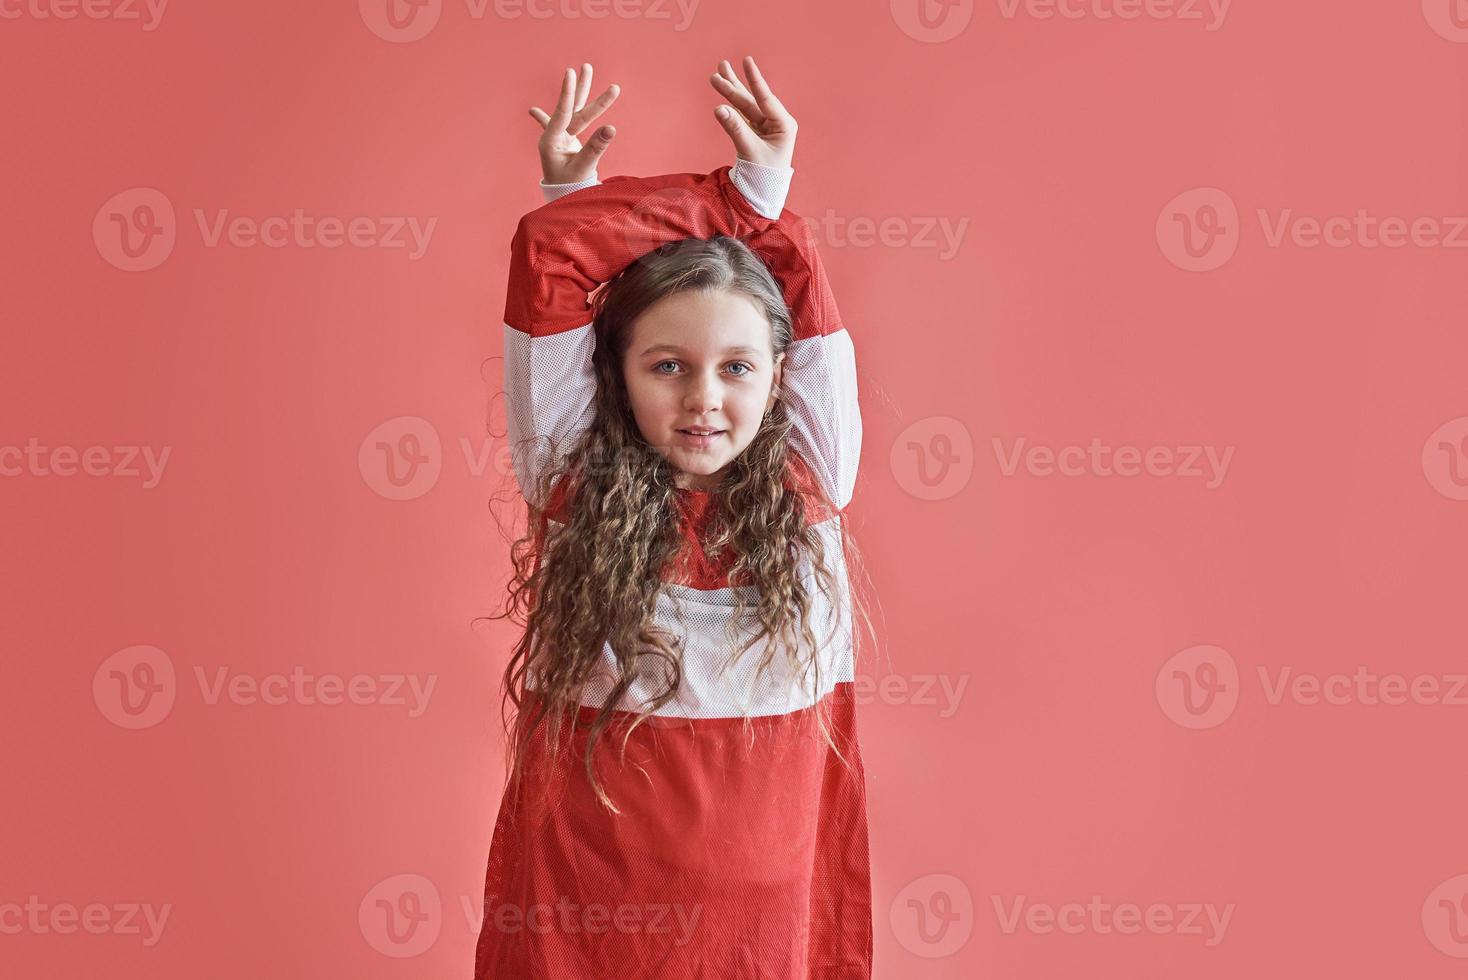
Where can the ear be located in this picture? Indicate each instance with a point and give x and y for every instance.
(775, 384)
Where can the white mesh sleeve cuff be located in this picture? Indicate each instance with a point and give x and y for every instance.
(764, 187)
(553, 191)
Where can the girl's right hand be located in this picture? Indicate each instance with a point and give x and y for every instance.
(563, 160)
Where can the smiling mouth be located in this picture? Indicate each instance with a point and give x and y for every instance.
(698, 440)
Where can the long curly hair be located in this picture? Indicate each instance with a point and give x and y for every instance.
(590, 566)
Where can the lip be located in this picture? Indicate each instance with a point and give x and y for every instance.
(698, 441)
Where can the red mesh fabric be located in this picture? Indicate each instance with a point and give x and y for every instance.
(734, 857)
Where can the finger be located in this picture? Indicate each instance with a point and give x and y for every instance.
(762, 92)
(538, 114)
(742, 94)
(583, 86)
(759, 87)
(592, 151)
(588, 115)
(727, 84)
(744, 139)
(562, 115)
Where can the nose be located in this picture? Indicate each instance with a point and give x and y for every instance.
(703, 395)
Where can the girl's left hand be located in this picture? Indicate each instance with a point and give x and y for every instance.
(762, 130)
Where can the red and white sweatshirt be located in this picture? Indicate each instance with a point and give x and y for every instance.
(733, 857)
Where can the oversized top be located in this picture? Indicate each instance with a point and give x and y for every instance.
(738, 854)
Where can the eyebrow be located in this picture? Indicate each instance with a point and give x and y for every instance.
(674, 349)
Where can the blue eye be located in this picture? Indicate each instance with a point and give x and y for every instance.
(657, 368)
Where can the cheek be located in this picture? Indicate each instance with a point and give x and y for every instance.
(647, 399)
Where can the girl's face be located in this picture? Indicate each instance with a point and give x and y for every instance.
(700, 360)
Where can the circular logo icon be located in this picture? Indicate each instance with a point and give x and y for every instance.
(401, 459)
(1448, 18)
(1199, 687)
(1445, 459)
(1445, 917)
(932, 21)
(647, 226)
(400, 21)
(933, 916)
(933, 458)
(135, 230)
(135, 687)
(401, 916)
(1199, 229)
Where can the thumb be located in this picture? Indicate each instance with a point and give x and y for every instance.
(738, 130)
(592, 151)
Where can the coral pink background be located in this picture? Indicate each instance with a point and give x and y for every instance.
(1076, 615)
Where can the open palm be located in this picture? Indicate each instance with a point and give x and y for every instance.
(563, 159)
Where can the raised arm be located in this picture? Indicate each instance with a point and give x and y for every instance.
(818, 381)
(563, 251)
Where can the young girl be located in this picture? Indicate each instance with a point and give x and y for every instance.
(685, 795)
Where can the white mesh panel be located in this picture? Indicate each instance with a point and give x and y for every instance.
(549, 389)
(716, 686)
(818, 383)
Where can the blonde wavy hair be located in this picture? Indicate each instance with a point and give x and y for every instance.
(594, 578)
